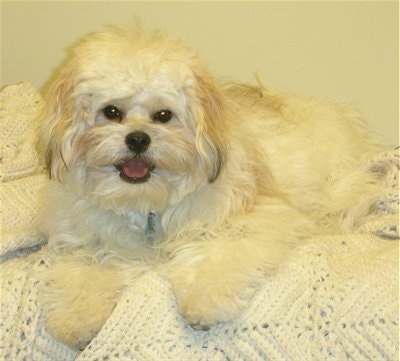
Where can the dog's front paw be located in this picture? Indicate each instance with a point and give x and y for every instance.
(76, 318)
(207, 299)
(73, 328)
(77, 300)
(202, 310)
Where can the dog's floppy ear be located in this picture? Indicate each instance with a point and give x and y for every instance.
(56, 119)
(211, 132)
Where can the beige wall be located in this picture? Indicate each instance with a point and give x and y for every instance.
(339, 50)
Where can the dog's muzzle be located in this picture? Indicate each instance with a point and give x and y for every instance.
(136, 169)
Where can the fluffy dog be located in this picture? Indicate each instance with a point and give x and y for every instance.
(156, 164)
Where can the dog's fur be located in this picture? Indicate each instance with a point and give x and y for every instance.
(234, 180)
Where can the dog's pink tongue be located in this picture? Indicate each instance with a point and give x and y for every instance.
(135, 168)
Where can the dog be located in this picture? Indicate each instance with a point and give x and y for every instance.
(156, 164)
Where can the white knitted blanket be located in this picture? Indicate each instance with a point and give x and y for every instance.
(337, 299)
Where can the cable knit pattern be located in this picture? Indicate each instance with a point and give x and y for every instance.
(19, 106)
(22, 171)
(336, 299)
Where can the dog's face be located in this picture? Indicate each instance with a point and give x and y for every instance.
(134, 122)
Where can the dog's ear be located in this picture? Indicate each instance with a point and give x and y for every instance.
(56, 121)
(210, 117)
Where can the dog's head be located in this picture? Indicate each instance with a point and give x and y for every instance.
(134, 121)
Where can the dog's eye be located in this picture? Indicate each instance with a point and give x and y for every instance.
(162, 116)
(111, 112)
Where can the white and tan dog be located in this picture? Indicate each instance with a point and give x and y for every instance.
(155, 164)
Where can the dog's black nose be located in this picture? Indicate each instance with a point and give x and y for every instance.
(137, 141)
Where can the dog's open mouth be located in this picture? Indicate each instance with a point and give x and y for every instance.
(135, 170)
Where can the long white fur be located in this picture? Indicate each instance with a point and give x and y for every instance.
(242, 175)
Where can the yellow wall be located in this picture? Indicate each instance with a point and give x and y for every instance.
(339, 50)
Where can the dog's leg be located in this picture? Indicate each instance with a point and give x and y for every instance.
(215, 273)
(78, 298)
